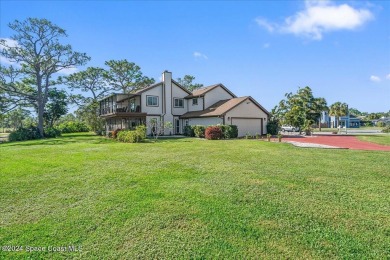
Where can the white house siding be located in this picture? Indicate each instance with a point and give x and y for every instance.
(192, 107)
(247, 110)
(156, 91)
(215, 95)
(178, 92)
(206, 121)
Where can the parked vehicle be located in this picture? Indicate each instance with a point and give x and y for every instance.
(289, 128)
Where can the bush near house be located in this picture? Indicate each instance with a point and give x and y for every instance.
(189, 130)
(273, 127)
(73, 127)
(386, 129)
(132, 136)
(115, 133)
(213, 133)
(229, 131)
(199, 131)
(51, 132)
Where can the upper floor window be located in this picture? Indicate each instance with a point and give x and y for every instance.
(178, 102)
(152, 101)
(194, 101)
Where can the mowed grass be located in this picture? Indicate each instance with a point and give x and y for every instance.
(191, 198)
(379, 139)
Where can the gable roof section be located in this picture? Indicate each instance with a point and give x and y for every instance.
(221, 108)
(158, 84)
(200, 92)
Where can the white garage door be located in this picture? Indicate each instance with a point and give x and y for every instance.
(252, 126)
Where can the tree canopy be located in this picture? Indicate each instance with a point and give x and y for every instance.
(126, 76)
(187, 82)
(300, 109)
(38, 56)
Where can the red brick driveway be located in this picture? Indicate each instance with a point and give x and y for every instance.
(342, 141)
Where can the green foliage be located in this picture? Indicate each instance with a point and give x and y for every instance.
(41, 55)
(51, 132)
(132, 136)
(126, 76)
(273, 127)
(73, 127)
(386, 129)
(89, 114)
(187, 83)
(380, 124)
(199, 131)
(24, 133)
(298, 108)
(338, 110)
(189, 130)
(55, 107)
(213, 133)
(115, 133)
(229, 131)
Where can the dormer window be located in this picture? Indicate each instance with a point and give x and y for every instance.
(194, 101)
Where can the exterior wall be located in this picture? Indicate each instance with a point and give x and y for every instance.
(177, 92)
(247, 109)
(167, 96)
(156, 91)
(204, 121)
(215, 95)
(195, 107)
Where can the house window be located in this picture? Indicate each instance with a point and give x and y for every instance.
(194, 101)
(178, 102)
(152, 101)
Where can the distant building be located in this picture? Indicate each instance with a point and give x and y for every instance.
(350, 121)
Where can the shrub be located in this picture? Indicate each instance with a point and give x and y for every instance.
(381, 124)
(73, 127)
(213, 133)
(199, 131)
(115, 133)
(189, 130)
(229, 131)
(273, 127)
(386, 129)
(51, 132)
(24, 133)
(132, 136)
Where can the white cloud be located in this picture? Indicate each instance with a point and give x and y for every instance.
(199, 55)
(266, 45)
(265, 24)
(9, 42)
(388, 76)
(319, 17)
(375, 78)
(68, 71)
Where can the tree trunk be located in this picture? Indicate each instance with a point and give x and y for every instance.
(319, 124)
(40, 117)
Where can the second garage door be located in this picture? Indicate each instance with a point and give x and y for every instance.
(252, 126)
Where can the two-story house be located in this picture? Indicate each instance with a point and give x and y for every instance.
(168, 101)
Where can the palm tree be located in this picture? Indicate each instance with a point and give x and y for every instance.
(319, 106)
(338, 109)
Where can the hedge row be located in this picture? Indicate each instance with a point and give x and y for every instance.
(227, 131)
(73, 127)
(132, 136)
(32, 133)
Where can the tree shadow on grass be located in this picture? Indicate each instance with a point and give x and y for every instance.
(66, 139)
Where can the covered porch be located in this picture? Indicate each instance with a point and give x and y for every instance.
(124, 120)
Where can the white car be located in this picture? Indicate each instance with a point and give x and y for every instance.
(289, 128)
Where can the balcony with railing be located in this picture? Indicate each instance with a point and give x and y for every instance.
(121, 105)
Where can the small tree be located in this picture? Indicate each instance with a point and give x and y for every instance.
(56, 106)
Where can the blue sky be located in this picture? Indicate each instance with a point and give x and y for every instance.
(341, 49)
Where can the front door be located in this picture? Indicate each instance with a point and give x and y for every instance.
(177, 126)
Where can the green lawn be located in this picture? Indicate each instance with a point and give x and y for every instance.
(379, 139)
(191, 198)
